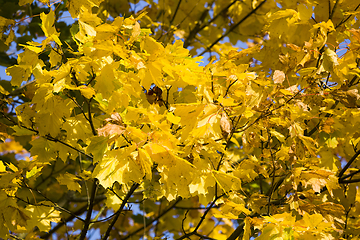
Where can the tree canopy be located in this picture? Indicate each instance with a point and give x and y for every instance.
(177, 119)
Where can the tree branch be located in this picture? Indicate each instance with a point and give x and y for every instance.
(345, 20)
(48, 137)
(312, 131)
(50, 206)
(196, 29)
(78, 105)
(15, 237)
(66, 144)
(333, 10)
(267, 112)
(90, 117)
(176, 10)
(232, 28)
(194, 232)
(350, 181)
(68, 219)
(347, 166)
(153, 220)
(128, 195)
(89, 212)
(349, 175)
(237, 232)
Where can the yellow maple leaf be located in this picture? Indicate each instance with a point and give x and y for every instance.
(145, 163)
(70, 181)
(118, 166)
(48, 26)
(55, 58)
(227, 182)
(42, 215)
(76, 6)
(330, 60)
(232, 210)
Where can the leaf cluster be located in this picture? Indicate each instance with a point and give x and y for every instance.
(110, 123)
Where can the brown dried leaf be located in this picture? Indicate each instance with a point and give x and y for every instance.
(348, 98)
(279, 76)
(154, 95)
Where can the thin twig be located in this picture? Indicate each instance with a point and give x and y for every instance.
(350, 181)
(176, 10)
(48, 137)
(15, 237)
(312, 131)
(50, 206)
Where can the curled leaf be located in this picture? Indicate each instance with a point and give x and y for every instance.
(225, 125)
